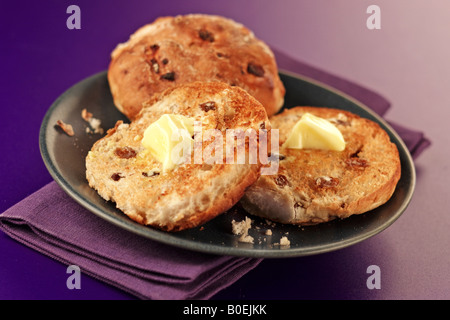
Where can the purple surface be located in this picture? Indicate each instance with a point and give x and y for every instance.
(406, 61)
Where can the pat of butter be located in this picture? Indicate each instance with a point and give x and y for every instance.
(167, 137)
(312, 132)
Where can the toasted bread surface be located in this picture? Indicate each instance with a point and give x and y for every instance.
(123, 171)
(314, 186)
(194, 47)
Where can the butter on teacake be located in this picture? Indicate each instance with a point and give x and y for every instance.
(312, 132)
(167, 137)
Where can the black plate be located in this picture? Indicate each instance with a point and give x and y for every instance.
(64, 157)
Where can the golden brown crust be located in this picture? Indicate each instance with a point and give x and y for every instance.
(122, 170)
(314, 186)
(196, 47)
(222, 204)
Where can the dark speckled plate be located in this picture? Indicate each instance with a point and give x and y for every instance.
(64, 157)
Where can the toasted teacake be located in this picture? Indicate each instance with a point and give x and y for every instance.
(314, 186)
(193, 47)
(122, 170)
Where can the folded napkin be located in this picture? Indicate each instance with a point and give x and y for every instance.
(52, 223)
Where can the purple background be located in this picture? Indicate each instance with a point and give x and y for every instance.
(407, 61)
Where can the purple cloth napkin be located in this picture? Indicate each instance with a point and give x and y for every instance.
(52, 223)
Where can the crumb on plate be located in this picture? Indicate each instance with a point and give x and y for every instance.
(94, 123)
(241, 228)
(67, 128)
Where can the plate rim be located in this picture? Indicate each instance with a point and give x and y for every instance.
(193, 245)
